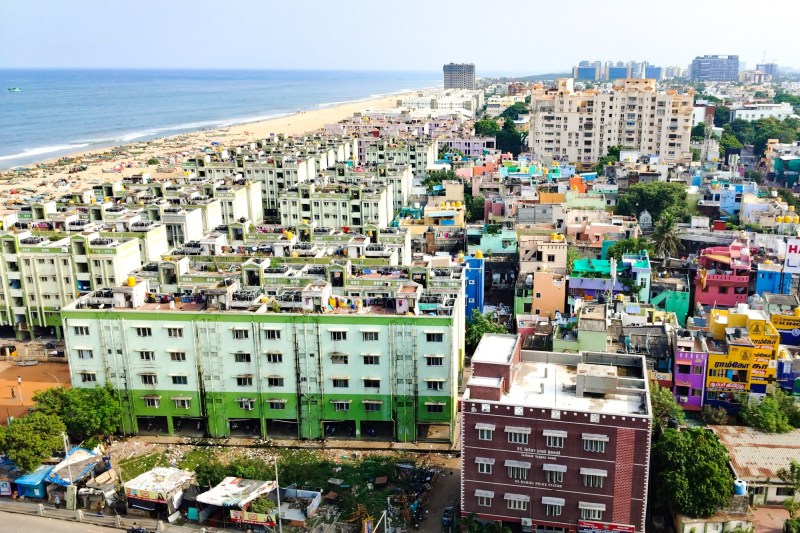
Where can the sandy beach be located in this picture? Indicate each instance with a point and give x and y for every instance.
(43, 178)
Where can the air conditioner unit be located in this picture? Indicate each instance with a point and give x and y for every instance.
(526, 522)
(683, 399)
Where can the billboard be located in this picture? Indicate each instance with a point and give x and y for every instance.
(791, 264)
(603, 527)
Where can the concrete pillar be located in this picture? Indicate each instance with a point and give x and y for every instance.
(40, 510)
(79, 515)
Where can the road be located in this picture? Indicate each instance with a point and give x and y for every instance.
(20, 523)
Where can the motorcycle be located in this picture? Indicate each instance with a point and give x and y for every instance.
(137, 529)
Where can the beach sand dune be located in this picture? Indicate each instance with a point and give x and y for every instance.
(42, 178)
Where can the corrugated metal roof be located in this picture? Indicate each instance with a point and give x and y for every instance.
(756, 455)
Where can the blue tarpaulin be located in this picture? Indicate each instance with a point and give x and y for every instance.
(79, 463)
(32, 485)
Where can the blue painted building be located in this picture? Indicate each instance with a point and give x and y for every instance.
(475, 272)
(770, 278)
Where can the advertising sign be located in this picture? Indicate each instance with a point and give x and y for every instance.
(791, 265)
(726, 385)
(603, 527)
(244, 517)
(147, 495)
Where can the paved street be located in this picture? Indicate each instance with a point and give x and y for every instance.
(20, 523)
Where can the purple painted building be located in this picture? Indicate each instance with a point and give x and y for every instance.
(691, 362)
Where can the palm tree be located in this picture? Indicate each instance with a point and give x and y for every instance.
(665, 239)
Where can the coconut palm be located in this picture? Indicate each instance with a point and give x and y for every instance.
(665, 239)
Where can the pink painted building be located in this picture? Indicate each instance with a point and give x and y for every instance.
(723, 275)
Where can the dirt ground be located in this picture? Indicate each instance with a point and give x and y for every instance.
(15, 399)
(769, 519)
(446, 492)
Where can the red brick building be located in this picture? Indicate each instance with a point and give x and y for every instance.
(555, 442)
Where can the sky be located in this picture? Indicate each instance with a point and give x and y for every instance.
(500, 36)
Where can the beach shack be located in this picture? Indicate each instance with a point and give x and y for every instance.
(9, 473)
(228, 502)
(157, 493)
(33, 485)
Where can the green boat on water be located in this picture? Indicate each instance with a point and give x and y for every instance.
(14, 90)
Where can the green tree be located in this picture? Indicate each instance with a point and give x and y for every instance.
(513, 112)
(791, 476)
(487, 127)
(728, 142)
(509, 139)
(665, 238)
(572, 255)
(629, 246)
(696, 154)
(714, 416)
(475, 208)
(657, 197)
(210, 474)
(722, 115)
(699, 132)
(478, 325)
(262, 505)
(86, 413)
(744, 130)
(31, 439)
(436, 177)
(766, 415)
(782, 96)
(690, 472)
(611, 157)
(664, 408)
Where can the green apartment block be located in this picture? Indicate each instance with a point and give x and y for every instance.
(304, 364)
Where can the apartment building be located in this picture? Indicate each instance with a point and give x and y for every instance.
(345, 203)
(543, 253)
(306, 362)
(459, 76)
(43, 274)
(399, 177)
(553, 441)
(419, 153)
(580, 126)
(751, 112)
(723, 276)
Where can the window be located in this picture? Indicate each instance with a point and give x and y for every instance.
(484, 497)
(244, 381)
(246, 403)
(88, 377)
(551, 258)
(484, 464)
(144, 332)
(372, 383)
(180, 380)
(175, 332)
(434, 337)
(274, 357)
(517, 435)
(517, 502)
(183, 403)
(697, 369)
(151, 401)
(178, 357)
(594, 443)
(554, 473)
(553, 506)
(485, 431)
(591, 511)
(338, 335)
(149, 379)
(593, 477)
(368, 336)
(371, 360)
(372, 406)
(272, 334)
(517, 469)
(434, 360)
(554, 439)
(241, 334)
(341, 383)
(435, 407)
(147, 355)
(241, 357)
(277, 404)
(784, 491)
(339, 359)
(85, 354)
(81, 330)
(435, 384)
(341, 406)
(274, 381)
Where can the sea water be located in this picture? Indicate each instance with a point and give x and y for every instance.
(65, 111)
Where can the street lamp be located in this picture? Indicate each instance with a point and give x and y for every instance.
(19, 385)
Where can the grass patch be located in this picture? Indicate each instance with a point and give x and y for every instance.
(130, 468)
(195, 457)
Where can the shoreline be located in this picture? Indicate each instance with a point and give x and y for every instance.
(51, 177)
(87, 147)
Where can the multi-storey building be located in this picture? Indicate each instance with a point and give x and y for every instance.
(751, 112)
(554, 441)
(459, 76)
(723, 275)
(338, 204)
(42, 274)
(714, 68)
(581, 126)
(419, 153)
(364, 354)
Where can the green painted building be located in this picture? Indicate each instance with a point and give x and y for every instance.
(304, 364)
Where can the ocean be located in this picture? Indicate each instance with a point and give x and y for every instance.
(58, 112)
